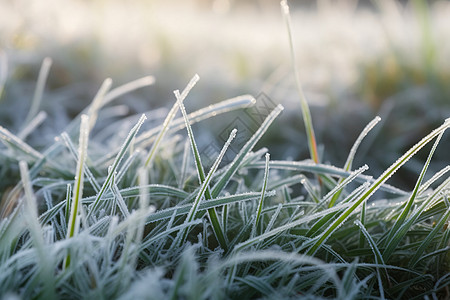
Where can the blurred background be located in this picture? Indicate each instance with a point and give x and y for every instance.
(356, 59)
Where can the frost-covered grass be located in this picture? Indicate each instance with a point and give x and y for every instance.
(111, 205)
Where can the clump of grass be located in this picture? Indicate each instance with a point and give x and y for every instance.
(142, 218)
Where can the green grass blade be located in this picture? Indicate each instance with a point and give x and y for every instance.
(374, 186)
(263, 192)
(309, 166)
(31, 218)
(3, 72)
(414, 193)
(65, 137)
(376, 253)
(78, 187)
(204, 181)
(266, 235)
(113, 168)
(39, 91)
(348, 164)
(430, 237)
(235, 164)
(304, 104)
(168, 120)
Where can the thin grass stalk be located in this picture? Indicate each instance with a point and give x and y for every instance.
(97, 103)
(263, 193)
(39, 91)
(377, 255)
(79, 182)
(312, 144)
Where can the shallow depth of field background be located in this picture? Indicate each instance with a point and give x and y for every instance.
(356, 60)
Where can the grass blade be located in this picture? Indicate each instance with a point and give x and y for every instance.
(31, 217)
(115, 164)
(263, 192)
(39, 91)
(218, 231)
(79, 181)
(374, 186)
(236, 163)
(304, 104)
(168, 120)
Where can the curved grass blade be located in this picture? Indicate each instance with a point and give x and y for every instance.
(199, 115)
(309, 166)
(401, 218)
(348, 164)
(113, 168)
(376, 185)
(377, 255)
(127, 88)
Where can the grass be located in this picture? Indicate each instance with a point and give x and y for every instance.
(130, 211)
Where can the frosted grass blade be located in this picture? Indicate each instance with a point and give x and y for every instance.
(31, 212)
(168, 120)
(376, 185)
(65, 137)
(218, 231)
(348, 164)
(304, 104)
(113, 168)
(127, 88)
(309, 166)
(199, 115)
(15, 142)
(377, 255)
(236, 163)
(39, 91)
(32, 125)
(401, 218)
(79, 182)
(97, 103)
(263, 192)
(428, 240)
